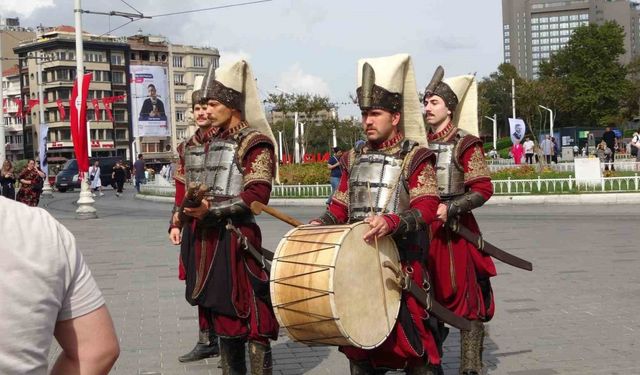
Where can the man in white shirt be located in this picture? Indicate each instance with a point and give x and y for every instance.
(528, 150)
(47, 290)
(547, 148)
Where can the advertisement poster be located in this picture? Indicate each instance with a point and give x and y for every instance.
(517, 130)
(150, 101)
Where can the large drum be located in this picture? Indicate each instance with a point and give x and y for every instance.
(328, 286)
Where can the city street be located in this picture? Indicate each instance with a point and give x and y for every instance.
(576, 313)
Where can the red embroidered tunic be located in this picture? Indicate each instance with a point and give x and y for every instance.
(247, 316)
(410, 341)
(460, 271)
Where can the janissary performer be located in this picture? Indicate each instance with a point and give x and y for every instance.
(393, 175)
(461, 273)
(235, 160)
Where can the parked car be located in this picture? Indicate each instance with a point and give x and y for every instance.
(67, 178)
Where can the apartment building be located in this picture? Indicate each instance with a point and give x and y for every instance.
(54, 52)
(10, 119)
(534, 29)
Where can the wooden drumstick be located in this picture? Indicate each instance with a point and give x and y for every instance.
(257, 208)
(375, 238)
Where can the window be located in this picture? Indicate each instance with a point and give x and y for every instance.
(198, 61)
(150, 147)
(554, 40)
(563, 18)
(584, 23)
(535, 56)
(544, 34)
(535, 41)
(505, 27)
(564, 40)
(117, 77)
(535, 21)
(177, 61)
(178, 79)
(117, 60)
(535, 27)
(507, 47)
(554, 33)
(584, 16)
(121, 134)
(555, 47)
(120, 115)
(507, 54)
(179, 97)
(553, 19)
(181, 133)
(535, 49)
(508, 61)
(179, 116)
(544, 19)
(544, 27)
(554, 26)
(544, 49)
(564, 32)
(574, 17)
(574, 25)
(535, 35)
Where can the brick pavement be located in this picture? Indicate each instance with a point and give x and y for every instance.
(576, 313)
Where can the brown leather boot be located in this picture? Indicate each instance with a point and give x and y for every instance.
(471, 343)
(232, 358)
(260, 358)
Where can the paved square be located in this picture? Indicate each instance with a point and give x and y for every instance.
(575, 314)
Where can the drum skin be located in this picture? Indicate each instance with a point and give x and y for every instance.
(328, 286)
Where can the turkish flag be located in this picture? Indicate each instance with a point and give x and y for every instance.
(63, 113)
(106, 102)
(78, 108)
(20, 113)
(96, 109)
(5, 103)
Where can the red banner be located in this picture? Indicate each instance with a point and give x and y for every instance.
(63, 113)
(96, 109)
(78, 121)
(5, 104)
(20, 113)
(106, 102)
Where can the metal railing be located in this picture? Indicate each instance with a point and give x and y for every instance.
(500, 187)
(566, 185)
(301, 191)
(625, 165)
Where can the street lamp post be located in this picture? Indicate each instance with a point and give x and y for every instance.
(298, 134)
(85, 202)
(551, 120)
(494, 119)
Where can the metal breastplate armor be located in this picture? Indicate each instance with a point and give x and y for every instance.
(449, 174)
(218, 168)
(376, 180)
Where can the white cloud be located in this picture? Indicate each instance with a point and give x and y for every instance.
(296, 80)
(231, 56)
(24, 8)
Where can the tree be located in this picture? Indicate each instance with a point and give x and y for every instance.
(588, 73)
(495, 94)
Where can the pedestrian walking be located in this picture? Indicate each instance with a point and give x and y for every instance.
(139, 172)
(94, 179)
(547, 148)
(119, 175)
(335, 171)
(234, 156)
(8, 180)
(31, 182)
(395, 132)
(609, 137)
(528, 150)
(461, 273)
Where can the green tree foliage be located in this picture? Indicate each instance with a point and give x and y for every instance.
(590, 81)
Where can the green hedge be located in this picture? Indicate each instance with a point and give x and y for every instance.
(306, 174)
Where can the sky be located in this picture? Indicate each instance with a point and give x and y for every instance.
(305, 46)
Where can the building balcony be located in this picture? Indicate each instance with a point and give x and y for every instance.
(15, 146)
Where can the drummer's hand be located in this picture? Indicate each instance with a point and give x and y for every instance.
(198, 212)
(315, 222)
(379, 228)
(174, 236)
(442, 212)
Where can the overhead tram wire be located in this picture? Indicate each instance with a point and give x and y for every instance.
(211, 8)
(129, 5)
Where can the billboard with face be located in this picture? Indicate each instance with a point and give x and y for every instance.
(150, 101)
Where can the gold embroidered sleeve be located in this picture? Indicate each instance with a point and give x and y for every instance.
(260, 169)
(426, 183)
(476, 167)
